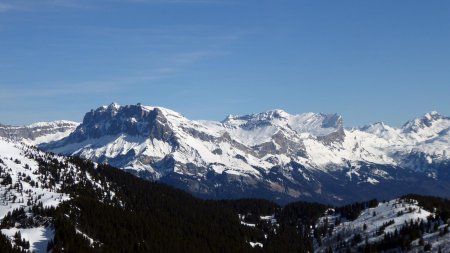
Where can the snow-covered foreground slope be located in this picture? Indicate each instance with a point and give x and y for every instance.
(380, 225)
(270, 154)
(33, 183)
(369, 222)
(21, 172)
(50, 203)
(22, 186)
(29, 179)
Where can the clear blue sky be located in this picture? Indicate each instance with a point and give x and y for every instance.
(369, 61)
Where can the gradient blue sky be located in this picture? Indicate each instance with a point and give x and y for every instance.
(369, 61)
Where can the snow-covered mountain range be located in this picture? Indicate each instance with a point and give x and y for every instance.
(272, 154)
(40, 132)
(48, 202)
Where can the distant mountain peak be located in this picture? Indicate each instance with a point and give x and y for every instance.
(423, 122)
(114, 105)
(276, 113)
(266, 116)
(53, 123)
(332, 120)
(249, 150)
(377, 125)
(39, 132)
(327, 120)
(432, 115)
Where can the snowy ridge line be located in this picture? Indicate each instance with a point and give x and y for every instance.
(39, 132)
(263, 140)
(288, 157)
(283, 154)
(29, 179)
(52, 123)
(375, 224)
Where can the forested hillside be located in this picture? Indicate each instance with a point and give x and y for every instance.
(98, 208)
(67, 204)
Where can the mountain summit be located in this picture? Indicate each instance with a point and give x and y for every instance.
(271, 154)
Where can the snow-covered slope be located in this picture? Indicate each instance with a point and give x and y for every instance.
(19, 170)
(286, 154)
(29, 179)
(385, 221)
(429, 134)
(41, 132)
(22, 186)
(140, 138)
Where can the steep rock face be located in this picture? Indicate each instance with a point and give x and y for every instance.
(38, 132)
(271, 154)
(141, 138)
(128, 120)
(428, 121)
(262, 124)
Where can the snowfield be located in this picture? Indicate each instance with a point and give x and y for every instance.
(374, 223)
(37, 236)
(20, 167)
(23, 171)
(24, 184)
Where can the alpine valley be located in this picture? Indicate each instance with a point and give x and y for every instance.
(271, 155)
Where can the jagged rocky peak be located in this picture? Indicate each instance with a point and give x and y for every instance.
(133, 120)
(305, 122)
(252, 151)
(433, 115)
(276, 114)
(423, 122)
(251, 121)
(375, 127)
(332, 121)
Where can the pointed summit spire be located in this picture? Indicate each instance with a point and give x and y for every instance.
(114, 105)
(426, 120)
